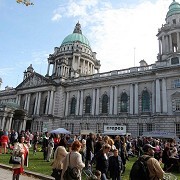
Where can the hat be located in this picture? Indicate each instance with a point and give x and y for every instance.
(147, 146)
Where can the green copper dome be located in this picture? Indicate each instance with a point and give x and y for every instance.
(174, 8)
(76, 36)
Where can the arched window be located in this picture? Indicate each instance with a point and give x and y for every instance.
(124, 102)
(73, 106)
(105, 104)
(88, 105)
(145, 101)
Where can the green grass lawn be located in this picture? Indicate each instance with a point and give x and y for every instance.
(37, 164)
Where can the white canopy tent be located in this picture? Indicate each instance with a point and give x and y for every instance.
(60, 131)
(161, 134)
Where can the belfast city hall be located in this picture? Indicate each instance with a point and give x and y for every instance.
(74, 95)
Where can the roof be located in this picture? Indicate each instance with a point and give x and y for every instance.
(76, 36)
(11, 105)
(174, 8)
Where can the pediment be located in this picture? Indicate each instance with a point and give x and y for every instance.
(176, 94)
(34, 80)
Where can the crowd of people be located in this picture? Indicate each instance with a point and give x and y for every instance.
(105, 156)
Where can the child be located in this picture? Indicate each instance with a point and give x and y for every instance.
(115, 166)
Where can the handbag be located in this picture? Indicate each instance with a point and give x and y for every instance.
(15, 159)
(56, 173)
(71, 173)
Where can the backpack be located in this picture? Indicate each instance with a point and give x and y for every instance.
(139, 170)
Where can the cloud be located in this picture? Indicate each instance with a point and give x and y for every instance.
(6, 71)
(121, 35)
(56, 17)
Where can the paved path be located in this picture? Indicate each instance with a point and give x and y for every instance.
(7, 175)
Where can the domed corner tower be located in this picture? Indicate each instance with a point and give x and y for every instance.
(73, 58)
(169, 37)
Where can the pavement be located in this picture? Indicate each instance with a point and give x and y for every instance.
(6, 174)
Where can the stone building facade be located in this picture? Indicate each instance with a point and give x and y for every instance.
(77, 97)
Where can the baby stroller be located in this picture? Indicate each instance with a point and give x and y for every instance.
(90, 175)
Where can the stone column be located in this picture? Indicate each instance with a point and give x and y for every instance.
(81, 103)
(3, 122)
(153, 97)
(51, 102)
(160, 52)
(178, 42)
(48, 69)
(28, 102)
(115, 100)
(24, 124)
(158, 100)
(39, 103)
(35, 107)
(111, 101)
(84, 67)
(93, 102)
(88, 67)
(167, 44)
(26, 99)
(10, 122)
(77, 103)
(91, 69)
(136, 100)
(164, 96)
(170, 43)
(47, 103)
(67, 103)
(131, 99)
(97, 102)
(163, 45)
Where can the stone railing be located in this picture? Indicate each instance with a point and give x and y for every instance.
(115, 73)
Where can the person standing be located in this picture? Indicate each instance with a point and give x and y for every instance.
(90, 143)
(57, 165)
(23, 150)
(73, 159)
(155, 170)
(115, 165)
(50, 147)
(45, 145)
(4, 141)
(102, 162)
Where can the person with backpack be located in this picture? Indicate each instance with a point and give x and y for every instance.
(147, 167)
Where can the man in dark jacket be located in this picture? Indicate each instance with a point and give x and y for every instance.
(90, 142)
(115, 166)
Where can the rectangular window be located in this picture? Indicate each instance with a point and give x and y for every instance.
(174, 60)
(66, 126)
(178, 129)
(72, 128)
(177, 83)
(140, 129)
(41, 126)
(87, 126)
(149, 127)
(98, 128)
(177, 105)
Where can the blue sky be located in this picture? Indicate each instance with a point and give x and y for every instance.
(120, 31)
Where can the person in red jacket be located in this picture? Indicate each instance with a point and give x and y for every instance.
(4, 141)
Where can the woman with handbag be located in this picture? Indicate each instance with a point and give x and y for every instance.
(57, 165)
(74, 161)
(22, 150)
